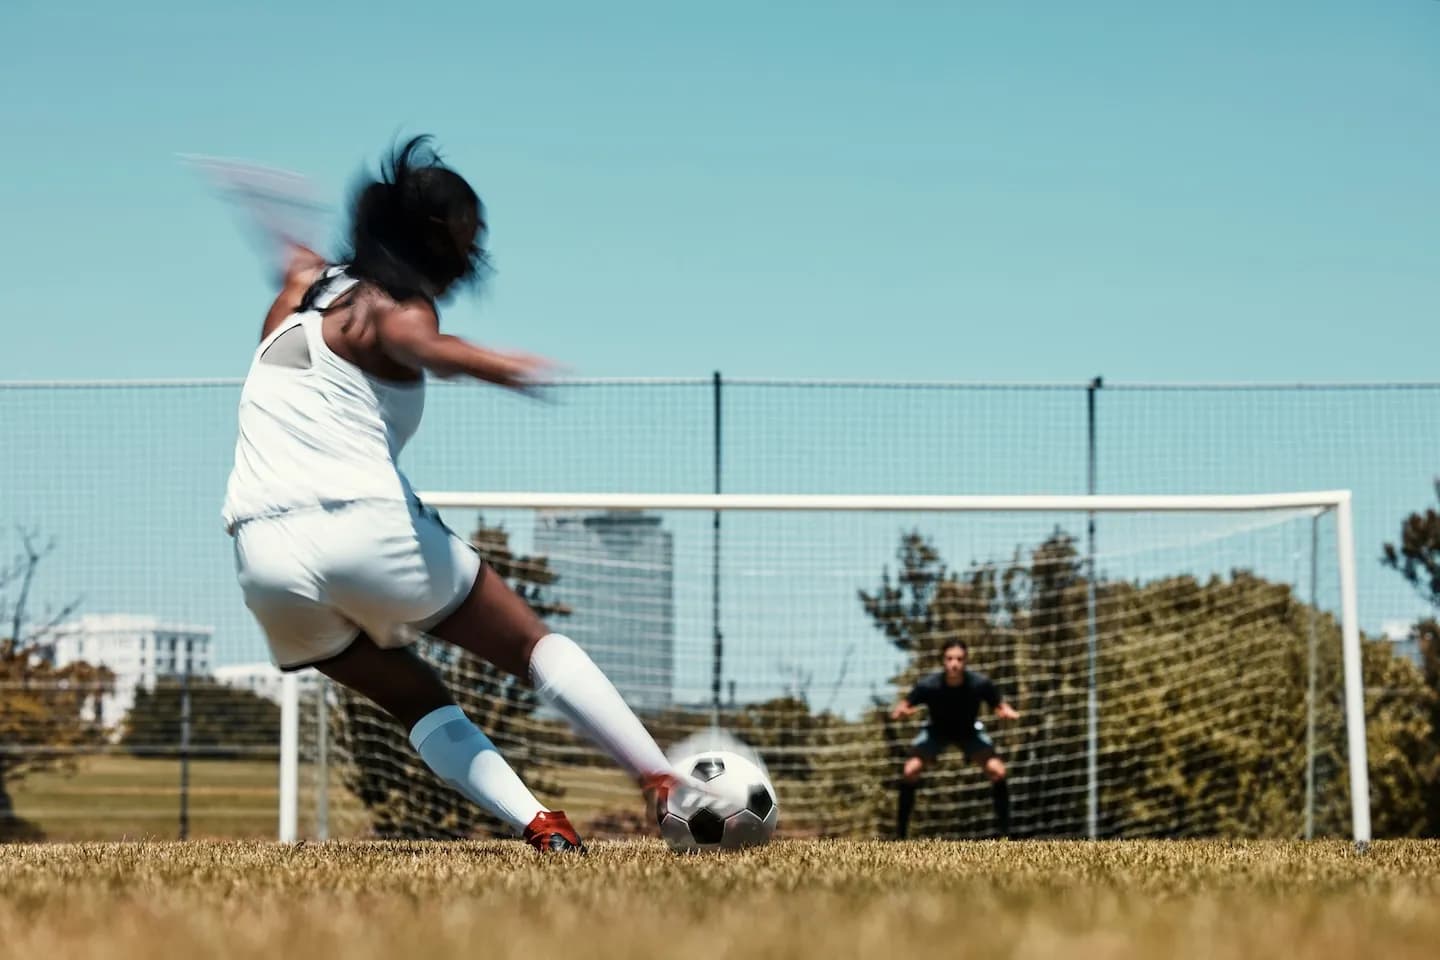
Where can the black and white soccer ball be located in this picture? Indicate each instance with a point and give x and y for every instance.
(737, 810)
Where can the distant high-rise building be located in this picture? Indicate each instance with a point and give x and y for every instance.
(616, 573)
(138, 650)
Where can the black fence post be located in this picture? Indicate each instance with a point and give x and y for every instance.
(719, 640)
(185, 745)
(1092, 698)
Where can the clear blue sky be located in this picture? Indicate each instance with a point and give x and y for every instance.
(1013, 191)
(970, 191)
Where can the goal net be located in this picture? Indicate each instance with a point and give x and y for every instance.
(1182, 666)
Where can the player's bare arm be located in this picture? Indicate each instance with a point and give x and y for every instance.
(302, 269)
(410, 334)
(903, 710)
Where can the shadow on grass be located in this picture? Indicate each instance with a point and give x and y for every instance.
(19, 830)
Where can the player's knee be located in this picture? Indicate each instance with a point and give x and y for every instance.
(995, 769)
(913, 768)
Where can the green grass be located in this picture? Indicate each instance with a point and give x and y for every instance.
(804, 899)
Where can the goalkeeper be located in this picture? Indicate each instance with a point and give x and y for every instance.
(953, 697)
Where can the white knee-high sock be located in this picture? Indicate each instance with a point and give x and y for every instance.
(462, 756)
(566, 678)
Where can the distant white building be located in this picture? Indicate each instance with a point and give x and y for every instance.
(262, 678)
(1400, 633)
(138, 650)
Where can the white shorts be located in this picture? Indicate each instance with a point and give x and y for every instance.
(316, 578)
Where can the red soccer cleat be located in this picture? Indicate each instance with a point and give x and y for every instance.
(690, 793)
(657, 787)
(551, 832)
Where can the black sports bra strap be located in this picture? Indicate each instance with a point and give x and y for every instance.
(318, 289)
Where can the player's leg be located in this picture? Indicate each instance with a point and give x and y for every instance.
(909, 780)
(496, 624)
(989, 761)
(285, 565)
(923, 750)
(980, 750)
(459, 753)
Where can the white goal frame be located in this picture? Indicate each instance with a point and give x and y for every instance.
(1320, 502)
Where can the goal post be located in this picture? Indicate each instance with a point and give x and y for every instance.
(1354, 680)
(1188, 586)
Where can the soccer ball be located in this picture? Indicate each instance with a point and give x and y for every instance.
(741, 812)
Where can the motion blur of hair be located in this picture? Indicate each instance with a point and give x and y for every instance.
(418, 230)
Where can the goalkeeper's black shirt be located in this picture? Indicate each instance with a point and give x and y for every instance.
(953, 710)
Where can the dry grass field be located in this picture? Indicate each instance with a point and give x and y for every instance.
(810, 899)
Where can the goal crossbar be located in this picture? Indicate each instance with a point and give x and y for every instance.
(1030, 503)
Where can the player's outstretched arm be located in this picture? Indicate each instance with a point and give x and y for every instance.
(410, 334)
(910, 703)
(999, 706)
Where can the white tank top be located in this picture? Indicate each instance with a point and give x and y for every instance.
(326, 434)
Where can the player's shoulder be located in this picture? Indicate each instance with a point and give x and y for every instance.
(401, 320)
(978, 679)
(931, 681)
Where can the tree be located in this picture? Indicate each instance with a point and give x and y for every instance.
(1203, 697)
(18, 576)
(224, 721)
(1427, 636)
(44, 710)
(1417, 559)
(403, 797)
(1401, 710)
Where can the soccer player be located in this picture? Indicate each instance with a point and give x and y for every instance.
(953, 697)
(338, 560)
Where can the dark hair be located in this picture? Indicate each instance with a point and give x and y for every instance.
(951, 644)
(410, 230)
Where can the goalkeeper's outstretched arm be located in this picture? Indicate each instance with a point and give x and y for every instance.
(998, 704)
